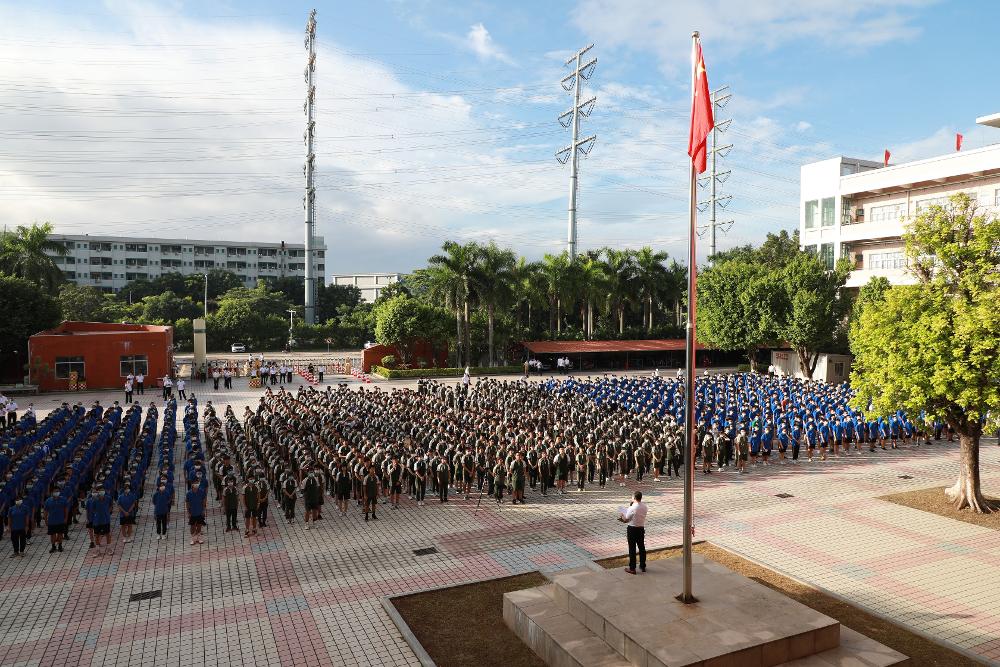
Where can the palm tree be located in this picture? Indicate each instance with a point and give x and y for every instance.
(675, 287)
(493, 282)
(455, 269)
(620, 278)
(554, 270)
(25, 253)
(593, 285)
(528, 289)
(650, 278)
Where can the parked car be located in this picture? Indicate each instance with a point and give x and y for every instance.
(238, 347)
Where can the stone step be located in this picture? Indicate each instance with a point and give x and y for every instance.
(553, 634)
(855, 650)
(736, 618)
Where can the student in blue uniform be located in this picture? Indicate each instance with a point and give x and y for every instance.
(18, 517)
(56, 510)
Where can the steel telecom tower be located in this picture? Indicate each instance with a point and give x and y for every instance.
(720, 97)
(571, 118)
(309, 201)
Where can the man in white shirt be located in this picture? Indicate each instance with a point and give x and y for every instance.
(168, 386)
(320, 370)
(635, 517)
(140, 380)
(180, 389)
(11, 412)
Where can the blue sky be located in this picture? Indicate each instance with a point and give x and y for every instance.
(437, 119)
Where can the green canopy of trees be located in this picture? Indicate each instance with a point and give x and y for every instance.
(935, 346)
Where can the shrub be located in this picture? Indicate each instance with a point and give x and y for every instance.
(395, 374)
(743, 368)
(388, 361)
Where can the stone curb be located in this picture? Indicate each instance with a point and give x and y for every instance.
(917, 631)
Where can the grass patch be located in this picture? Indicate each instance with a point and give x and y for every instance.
(920, 650)
(934, 501)
(463, 625)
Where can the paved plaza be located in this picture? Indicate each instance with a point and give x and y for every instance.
(291, 596)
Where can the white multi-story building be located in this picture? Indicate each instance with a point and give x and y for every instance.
(111, 262)
(370, 284)
(859, 209)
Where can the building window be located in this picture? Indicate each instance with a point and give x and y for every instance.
(66, 365)
(838, 368)
(135, 247)
(887, 260)
(134, 364)
(826, 255)
(828, 212)
(887, 213)
(944, 201)
(811, 207)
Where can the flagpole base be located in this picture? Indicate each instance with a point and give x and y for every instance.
(686, 599)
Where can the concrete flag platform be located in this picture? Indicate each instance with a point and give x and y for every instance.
(609, 618)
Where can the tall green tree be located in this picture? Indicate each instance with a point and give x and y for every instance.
(167, 308)
(82, 303)
(737, 304)
(402, 322)
(493, 282)
(593, 277)
(650, 278)
(27, 252)
(27, 309)
(935, 346)
(620, 273)
(812, 307)
(455, 268)
(554, 273)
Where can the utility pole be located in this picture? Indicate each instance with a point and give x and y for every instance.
(309, 201)
(571, 118)
(206, 297)
(720, 98)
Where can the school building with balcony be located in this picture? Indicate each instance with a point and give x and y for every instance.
(859, 209)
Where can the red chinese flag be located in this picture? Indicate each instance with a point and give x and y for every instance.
(958, 142)
(885, 158)
(702, 121)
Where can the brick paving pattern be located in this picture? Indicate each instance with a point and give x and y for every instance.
(296, 597)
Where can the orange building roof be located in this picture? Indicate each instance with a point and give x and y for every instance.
(75, 328)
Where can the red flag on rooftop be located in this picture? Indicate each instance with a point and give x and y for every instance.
(958, 142)
(702, 121)
(885, 158)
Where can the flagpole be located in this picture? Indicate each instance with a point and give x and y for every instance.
(687, 596)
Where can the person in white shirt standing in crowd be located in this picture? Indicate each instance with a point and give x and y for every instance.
(227, 378)
(128, 390)
(140, 382)
(635, 517)
(320, 370)
(11, 412)
(180, 389)
(168, 386)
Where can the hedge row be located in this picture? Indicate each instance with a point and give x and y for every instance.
(394, 374)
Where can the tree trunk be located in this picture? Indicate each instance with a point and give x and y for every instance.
(552, 315)
(966, 491)
(650, 329)
(559, 315)
(621, 320)
(489, 331)
(807, 361)
(468, 336)
(677, 312)
(458, 335)
(590, 319)
(752, 358)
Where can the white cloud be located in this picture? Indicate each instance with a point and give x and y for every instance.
(479, 41)
(732, 27)
(172, 127)
(803, 126)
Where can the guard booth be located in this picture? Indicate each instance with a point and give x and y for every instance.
(98, 355)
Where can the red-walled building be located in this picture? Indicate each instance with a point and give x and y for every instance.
(101, 354)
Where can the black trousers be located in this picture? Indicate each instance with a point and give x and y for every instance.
(19, 539)
(161, 524)
(420, 487)
(141, 388)
(636, 539)
(231, 520)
